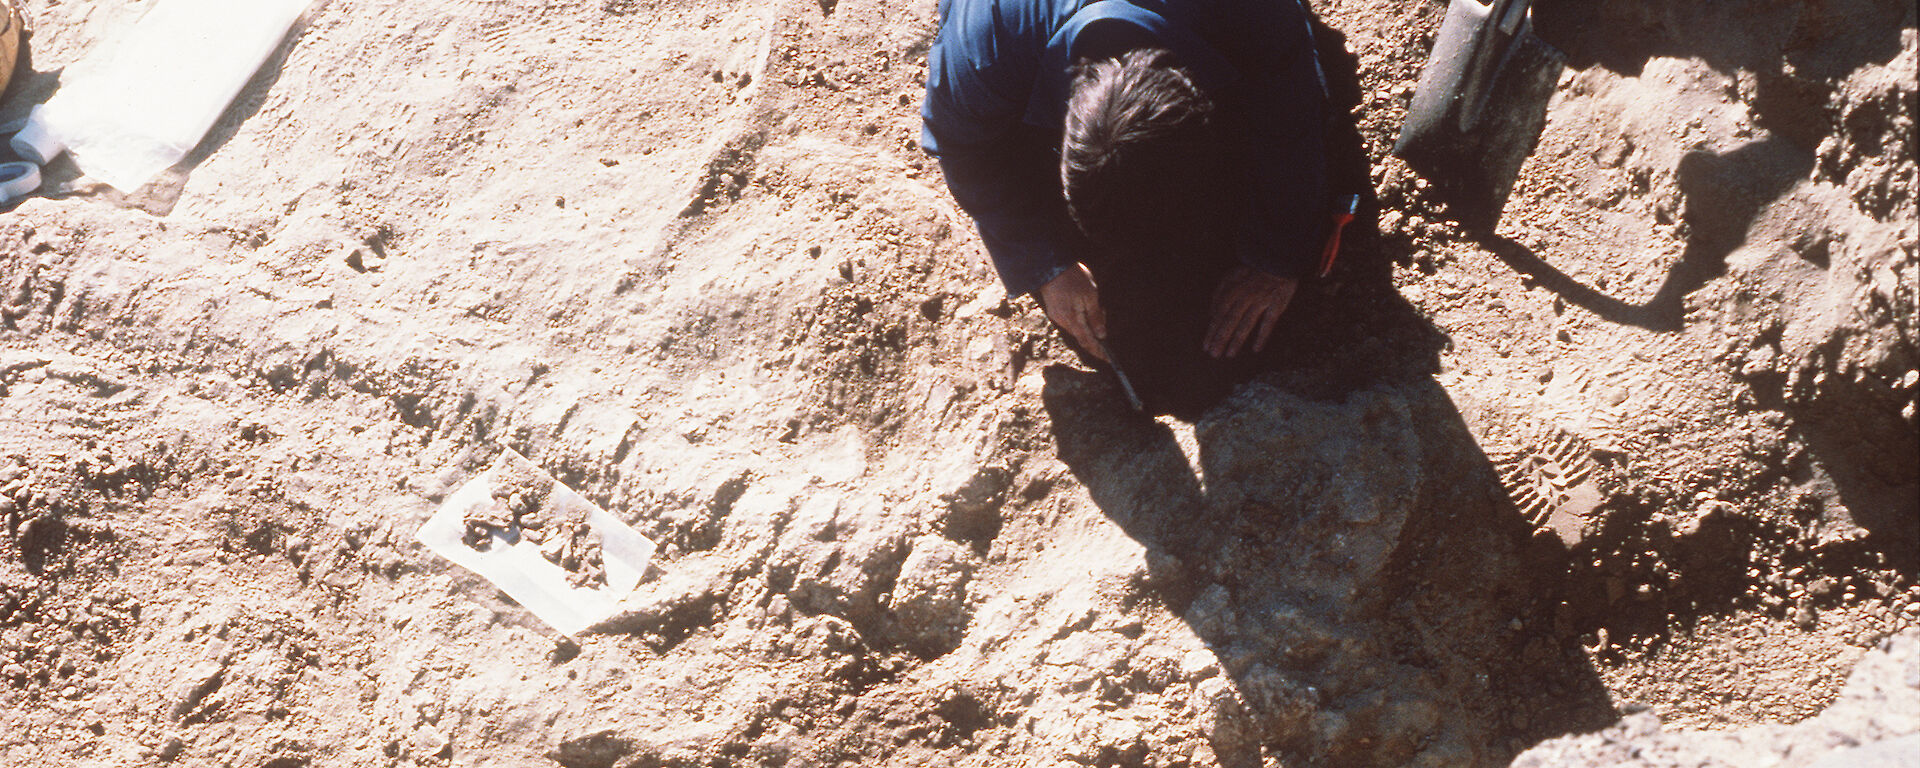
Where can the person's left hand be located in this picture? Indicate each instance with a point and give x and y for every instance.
(1245, 308)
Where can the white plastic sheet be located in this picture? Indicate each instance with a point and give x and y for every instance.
(139, 102)
(518, 568)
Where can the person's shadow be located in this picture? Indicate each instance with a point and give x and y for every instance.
(1796, 57)
(1339, 539)
(1794, 80)
(1724, 191)
(1353, 563)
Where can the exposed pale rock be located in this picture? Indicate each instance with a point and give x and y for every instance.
(929, 598)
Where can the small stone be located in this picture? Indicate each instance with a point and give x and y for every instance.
(200, 681)
(171, 749)
(1600, 641)
(973, 510)
(1198, 664)
(428, 741)
(565, 649)
(601, 749)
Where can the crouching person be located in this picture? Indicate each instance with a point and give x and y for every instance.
(1152, 172)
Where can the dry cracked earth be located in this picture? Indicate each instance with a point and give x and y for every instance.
(1647, 451)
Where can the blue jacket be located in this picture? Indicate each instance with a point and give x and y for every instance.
(997, 81)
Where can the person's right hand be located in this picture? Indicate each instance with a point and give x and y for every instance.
(1073, 302)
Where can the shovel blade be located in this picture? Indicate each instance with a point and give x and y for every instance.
(1478, 111)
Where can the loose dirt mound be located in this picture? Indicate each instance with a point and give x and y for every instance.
(1654, 443)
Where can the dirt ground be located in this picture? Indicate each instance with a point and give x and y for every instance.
(1650, 449)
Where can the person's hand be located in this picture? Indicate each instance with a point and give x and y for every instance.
(1073, 302)
(1245, 308)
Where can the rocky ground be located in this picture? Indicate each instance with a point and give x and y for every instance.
(1649, 450)
(1871, 725)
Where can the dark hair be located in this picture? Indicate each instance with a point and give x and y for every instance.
(1139, 154)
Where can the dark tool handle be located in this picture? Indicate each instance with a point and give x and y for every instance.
(1508, 15)
(1492, 44)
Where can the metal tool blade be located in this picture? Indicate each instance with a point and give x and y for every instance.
(1133, 398)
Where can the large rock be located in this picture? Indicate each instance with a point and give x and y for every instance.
(930, 596)
(1874, 724)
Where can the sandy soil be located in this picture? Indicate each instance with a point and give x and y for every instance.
(1652, 449)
